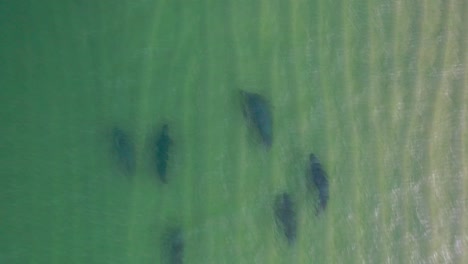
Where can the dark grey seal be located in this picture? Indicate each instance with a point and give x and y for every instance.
(258, 113)
(318, 177)
(285, 215)
(124, 150)
(173, 246)
(162, 147)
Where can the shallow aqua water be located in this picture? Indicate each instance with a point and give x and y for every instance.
(376, 89)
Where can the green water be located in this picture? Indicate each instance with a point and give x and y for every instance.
(376, 89)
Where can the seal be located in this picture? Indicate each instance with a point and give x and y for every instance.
(318, 177)
(162, 146)
(124, 150)
(285, 215)
(257, 111)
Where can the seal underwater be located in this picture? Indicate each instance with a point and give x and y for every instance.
(285, 215)
(162, 146)
(173, 246)
(124, 150)
(318, 177)
(258, 113)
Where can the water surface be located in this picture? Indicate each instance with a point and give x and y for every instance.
(376, 89)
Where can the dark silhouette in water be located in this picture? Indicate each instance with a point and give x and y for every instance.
(173, 244)
(258, 113)
(161, 152)
(318, 177)
(124, 150)
(285, 215)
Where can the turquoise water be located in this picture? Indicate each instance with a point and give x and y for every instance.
(376, 89)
